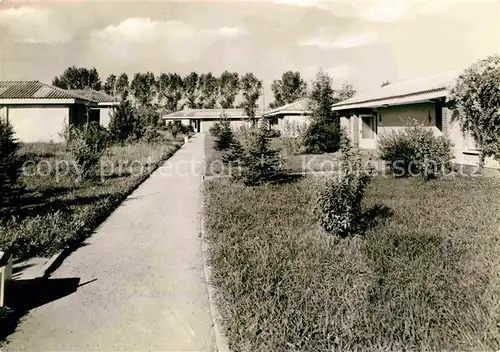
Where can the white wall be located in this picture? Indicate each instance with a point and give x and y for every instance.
(397, 117)
(38, 123)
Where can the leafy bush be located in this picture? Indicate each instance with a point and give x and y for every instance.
(151, 135)
(215, 129)
(293, 138)
(9, 159)
(87, 144)
(475, 100)
(149, 115)
(233, 156)
(338, 205)
(272, 133)
(260, 162)
(415, 151)
(322, 137)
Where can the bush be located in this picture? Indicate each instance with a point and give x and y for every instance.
(9, 160)
(152, 135)
(215, 129)
(272, 133)
(87, 145)
(322, 137)
(338, 204)
(293, 138)
(233, 156)
(260, 163)
(415, 151)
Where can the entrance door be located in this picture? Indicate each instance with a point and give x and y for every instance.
(368, 132)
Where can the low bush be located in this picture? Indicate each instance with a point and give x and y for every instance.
(9, 160)
(152, 135)
(124, 124)
(322, 137)
(293, 138)
(87, 144)
(338, 203)
(415, 150)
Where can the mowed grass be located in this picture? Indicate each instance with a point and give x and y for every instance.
(425, 276)
(56, 210)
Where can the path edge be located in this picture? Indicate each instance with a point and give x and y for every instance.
(221, 342)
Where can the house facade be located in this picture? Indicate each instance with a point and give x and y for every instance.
(202, 119)
(106, 104)
(390, 108)
(39, 112)
(290, 117)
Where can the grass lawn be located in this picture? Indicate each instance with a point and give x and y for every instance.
(424, 277)
(56, 210)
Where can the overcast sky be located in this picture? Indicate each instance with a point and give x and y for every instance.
(362, 42)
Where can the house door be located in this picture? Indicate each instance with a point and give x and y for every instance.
(368, 132)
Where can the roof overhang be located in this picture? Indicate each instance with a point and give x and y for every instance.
(391, 101)
(168, 117)
(285, 112)
(45, 102)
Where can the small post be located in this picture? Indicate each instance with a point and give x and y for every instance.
(5, 274)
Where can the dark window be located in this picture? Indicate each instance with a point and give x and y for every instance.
(439, 116)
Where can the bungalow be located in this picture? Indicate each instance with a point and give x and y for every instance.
(203, 119)
(105, 104)
(390, 108)
(285, 117)
(38, 112)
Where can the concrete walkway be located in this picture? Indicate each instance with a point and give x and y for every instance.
(143, 267)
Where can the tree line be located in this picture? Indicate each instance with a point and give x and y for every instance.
(195, 91)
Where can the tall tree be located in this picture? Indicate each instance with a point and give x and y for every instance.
(209, 91)
(289, 88)
(78, 78)
(170, 88)
(322, 98)
(191, 90)
(251, 88)
(143, 87)
(229, 88)
(122, 84)
(110, 85)
(345, 92)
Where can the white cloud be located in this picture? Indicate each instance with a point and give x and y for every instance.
(176, 39)
(34, 25)
(343, 42)
(386, 10)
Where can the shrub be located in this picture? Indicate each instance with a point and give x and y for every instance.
(149, 115)
(415, 151)
(260, 163)
(87, 144)
(293, 137)
(151, 135)
(272, 133)
(322, 137)
(215, 129)
(233, 156)
(9, 160)
(338, 204)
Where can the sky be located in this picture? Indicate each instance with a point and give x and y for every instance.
(360, 42)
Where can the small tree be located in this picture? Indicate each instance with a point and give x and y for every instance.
(9, 160)
(124, 123)
(260, 162)
(338, 204)
(87, 144)
(225, 135)
(323, 133)
(475, 100)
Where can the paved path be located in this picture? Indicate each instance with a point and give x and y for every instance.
(149, 291)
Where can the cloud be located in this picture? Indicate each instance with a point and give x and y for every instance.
(386, 11)
(343, 42)
(34, 25)
(176, 39)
